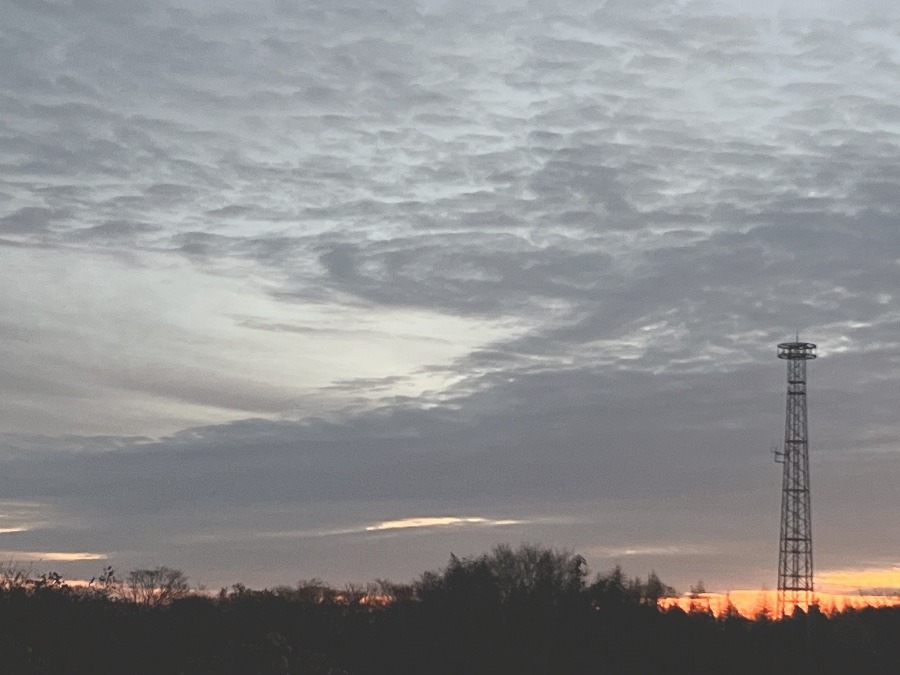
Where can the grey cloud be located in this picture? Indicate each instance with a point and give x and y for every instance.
(524, 437)
(28, 220)
(517, 443)
(462, 275)
(115, 230)
(651, 197)
(231, 210)
(169, 191)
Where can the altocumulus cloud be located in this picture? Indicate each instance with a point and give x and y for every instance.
(302, 266)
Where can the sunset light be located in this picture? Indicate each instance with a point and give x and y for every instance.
(754, 603)
(50, 556)
(885, 581)
(436, 521)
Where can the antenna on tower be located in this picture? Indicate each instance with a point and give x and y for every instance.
(777, 453)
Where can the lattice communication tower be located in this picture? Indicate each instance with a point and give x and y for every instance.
(795, 560)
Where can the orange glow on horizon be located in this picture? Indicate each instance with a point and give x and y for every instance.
(751, 603)
(861, 581)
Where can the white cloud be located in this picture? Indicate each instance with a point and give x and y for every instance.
(437, 521)
(50, 556)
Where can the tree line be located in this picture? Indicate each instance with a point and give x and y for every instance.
(512, 610)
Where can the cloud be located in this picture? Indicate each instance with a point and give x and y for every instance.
(651, 551)
(436, 521)
(8, 530)
(443, 258)
(414, 523)
(50, 556)
(28, 219)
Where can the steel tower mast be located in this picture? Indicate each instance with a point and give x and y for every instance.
(795, 561)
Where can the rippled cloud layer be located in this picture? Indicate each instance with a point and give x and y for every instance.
(299, 266)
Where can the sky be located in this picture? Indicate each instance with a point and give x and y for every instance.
(301, 289)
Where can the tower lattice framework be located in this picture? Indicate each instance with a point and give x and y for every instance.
(795, 559)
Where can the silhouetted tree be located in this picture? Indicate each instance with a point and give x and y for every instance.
(612, 588)
(655, 589)
(155, 587)
(525, 611)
